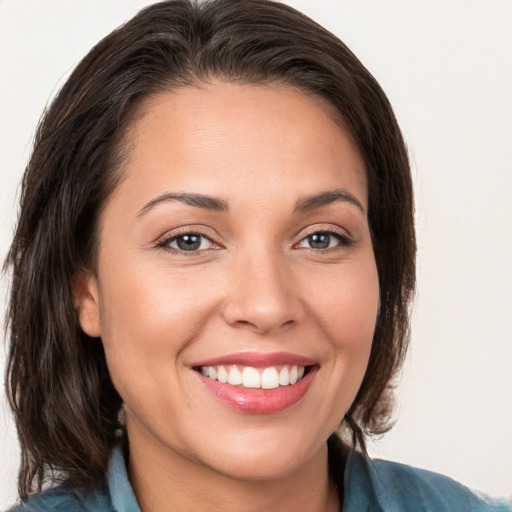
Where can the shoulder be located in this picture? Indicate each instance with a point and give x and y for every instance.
(65, 499)
(439, 491)
(398, 487)
(54, 500)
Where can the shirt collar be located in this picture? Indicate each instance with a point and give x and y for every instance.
(120, 490)
(360, 479)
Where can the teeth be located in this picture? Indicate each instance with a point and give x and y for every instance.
(235, 377)
(251, 378)
(269, 378)
(222, 374)
(284, 376)
(294, 375)
(255, 378)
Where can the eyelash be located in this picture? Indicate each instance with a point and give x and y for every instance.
(164, 243)
(343, 239)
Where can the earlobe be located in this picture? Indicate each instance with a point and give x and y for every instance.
(86, 297)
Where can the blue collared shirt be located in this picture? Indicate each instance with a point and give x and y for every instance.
(370, 486)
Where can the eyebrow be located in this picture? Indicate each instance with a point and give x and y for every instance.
(303, 205)
(309, 203)
(198, 200)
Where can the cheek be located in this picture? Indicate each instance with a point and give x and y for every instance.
(345, 306)
(150, 300)
(149, 316)
(345, 303)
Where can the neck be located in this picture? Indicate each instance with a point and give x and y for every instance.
(164, 480)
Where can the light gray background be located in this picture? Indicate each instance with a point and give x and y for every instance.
(447, 69)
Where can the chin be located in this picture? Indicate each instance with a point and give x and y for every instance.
(261, 466)
(264, 455)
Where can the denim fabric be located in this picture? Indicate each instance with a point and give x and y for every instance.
(383, 486)
(370, 486)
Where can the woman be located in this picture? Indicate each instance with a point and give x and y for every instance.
(211, 273)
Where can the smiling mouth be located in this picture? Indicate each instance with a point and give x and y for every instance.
(270, 377)
(257, 383)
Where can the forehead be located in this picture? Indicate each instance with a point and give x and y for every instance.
(221, 133)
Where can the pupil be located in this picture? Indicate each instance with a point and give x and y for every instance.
(189, 242)
(319, 240)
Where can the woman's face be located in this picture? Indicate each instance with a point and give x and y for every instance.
(235, 258)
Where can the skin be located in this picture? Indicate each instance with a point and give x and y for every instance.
(257, 286)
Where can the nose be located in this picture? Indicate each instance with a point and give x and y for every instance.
(263, 295)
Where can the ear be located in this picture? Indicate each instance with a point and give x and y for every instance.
(87, 303)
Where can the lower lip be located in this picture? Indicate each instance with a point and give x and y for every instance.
(259, 401)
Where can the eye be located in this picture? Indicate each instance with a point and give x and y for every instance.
(323, 240)
(188, 242)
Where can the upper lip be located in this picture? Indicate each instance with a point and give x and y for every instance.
(257, 360)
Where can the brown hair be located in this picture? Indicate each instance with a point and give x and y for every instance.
(66, 408)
